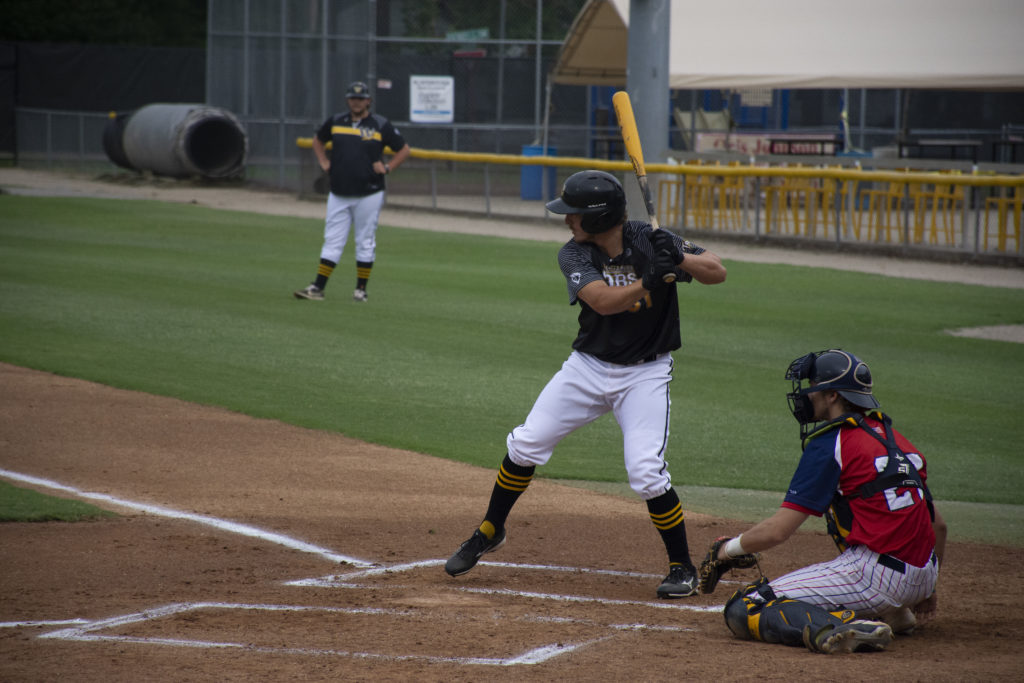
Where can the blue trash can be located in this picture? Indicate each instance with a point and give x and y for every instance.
(532, 178)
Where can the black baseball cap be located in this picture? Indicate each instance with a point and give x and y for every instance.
(358, 90)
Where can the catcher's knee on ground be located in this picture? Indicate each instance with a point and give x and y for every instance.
(754, 613)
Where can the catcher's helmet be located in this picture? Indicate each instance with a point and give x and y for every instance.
(357, 90)
(831, 370)
(595, 194)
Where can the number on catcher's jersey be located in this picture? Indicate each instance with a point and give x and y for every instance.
(893, 498)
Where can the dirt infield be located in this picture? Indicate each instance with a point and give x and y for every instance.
(332, 568)
(248, 549)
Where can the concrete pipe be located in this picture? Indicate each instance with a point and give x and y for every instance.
(181, 140)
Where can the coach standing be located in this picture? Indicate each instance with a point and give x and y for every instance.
(357, 171)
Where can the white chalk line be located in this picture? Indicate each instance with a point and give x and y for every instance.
(224, 525)
(88, 633)
(345, 581)
(333, 580)
(82, 630)
(32, 624)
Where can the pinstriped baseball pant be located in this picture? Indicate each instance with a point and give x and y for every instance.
(855, 580)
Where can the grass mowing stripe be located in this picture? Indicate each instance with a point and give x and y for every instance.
(462, 331)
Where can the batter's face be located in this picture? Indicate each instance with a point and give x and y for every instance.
(575, 223)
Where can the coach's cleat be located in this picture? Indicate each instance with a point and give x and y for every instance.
(359, 295)
(859, 635)
(470, 552)
(681, 582)
(312, 292)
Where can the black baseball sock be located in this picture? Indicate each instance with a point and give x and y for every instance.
(667, 514)
(363, 269)
(324, 272)
(511, 482)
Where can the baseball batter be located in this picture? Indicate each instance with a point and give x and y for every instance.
(868, 481)
(621, 363)
(358, 138)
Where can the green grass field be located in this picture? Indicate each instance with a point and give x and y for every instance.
(24, 505)
(461, 333)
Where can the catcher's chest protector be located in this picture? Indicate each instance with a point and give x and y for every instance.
(898, 472)
(753, 612)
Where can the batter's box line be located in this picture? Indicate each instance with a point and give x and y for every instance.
(222, 524)
(346, 581)
(88, 633)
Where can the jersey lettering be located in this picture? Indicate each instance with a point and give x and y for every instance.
(618, 275)
(893, 498)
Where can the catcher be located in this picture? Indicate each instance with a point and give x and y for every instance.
(869, 483)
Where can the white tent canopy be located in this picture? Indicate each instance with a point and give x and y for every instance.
(926, 44)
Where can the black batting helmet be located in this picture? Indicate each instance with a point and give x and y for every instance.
(358, 90)
(595, 194)
(831, 370)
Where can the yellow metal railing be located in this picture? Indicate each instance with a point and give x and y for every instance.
(871, 206)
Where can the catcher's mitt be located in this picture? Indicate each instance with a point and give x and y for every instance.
(712, 568)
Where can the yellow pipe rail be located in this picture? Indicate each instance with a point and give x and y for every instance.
(804, 203)
(711, 170)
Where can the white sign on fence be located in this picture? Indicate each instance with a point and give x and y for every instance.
(431, 99)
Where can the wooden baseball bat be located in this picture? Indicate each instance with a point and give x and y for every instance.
(631, 140)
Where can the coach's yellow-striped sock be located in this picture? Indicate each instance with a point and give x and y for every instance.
(323, 272)
(363, 269)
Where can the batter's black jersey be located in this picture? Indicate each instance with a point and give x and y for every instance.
(354, 148)
(652, 327)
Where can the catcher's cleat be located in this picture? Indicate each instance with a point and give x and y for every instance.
(359, 295)
(859, 635)
(470, 552)
(901, 620)
(681, 582)
(312, 292)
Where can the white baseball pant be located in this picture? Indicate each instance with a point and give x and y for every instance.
(585, 389)
(855, 580)
(360, 213)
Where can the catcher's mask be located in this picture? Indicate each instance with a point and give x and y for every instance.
(831, 370)
(595, 194)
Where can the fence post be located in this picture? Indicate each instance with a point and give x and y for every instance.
(682, 203)
(977, 219)
(487, 188)
(433, 183)
(838, 202)
(49, 140)
(906, 214)
(757, 206)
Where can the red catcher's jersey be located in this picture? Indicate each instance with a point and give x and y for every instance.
(834, 466)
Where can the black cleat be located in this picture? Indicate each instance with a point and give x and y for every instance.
(681, 582)
(470, 552)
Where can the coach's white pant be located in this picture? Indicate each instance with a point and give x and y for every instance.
(360, 213)
(587, 388)
(856, 581)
